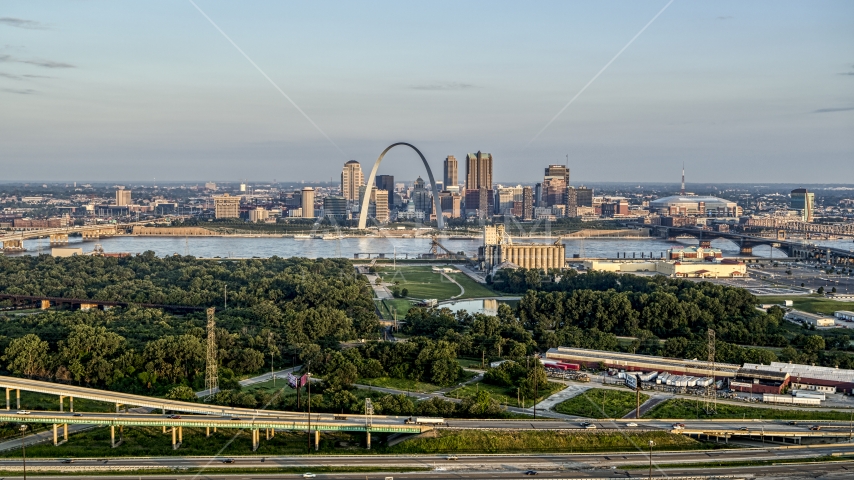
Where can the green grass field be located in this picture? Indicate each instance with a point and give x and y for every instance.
(683, 408)
(390, 307)
(421, 282)
(505, 395)
(144, 441)
(399, 384)
(601, 403)
(473, 289)
(532, 441)
(810, 303)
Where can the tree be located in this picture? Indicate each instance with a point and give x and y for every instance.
(181, 392)
(343, 400)
(28, 356)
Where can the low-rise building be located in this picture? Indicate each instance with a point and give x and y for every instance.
(844, 315)
(631, 362)
(809, 318)
(759, 379)
(723, 269)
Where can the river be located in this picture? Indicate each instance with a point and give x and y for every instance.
(263, 247)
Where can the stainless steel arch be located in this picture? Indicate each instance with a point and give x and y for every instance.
(437, 205)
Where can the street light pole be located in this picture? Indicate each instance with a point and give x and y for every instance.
(651, 444)
(24, 449)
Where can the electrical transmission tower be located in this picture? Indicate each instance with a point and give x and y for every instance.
(211, 379)
(711, 403)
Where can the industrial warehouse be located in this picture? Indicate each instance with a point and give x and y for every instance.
(807, 384)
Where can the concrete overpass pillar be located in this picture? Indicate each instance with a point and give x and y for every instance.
(316, 440)
(255, 439)
(71, 404)
(55, 435)
(7, 399)
(267, 432)
(113, 436)
(180, 434)
(207, 431)
(18, 397)
(174, 438)
(64, 432)
(368, 436)
(61, 402)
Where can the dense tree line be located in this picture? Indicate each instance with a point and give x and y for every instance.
(591, 310)
(287, 307)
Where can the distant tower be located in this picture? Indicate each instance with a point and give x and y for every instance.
(450, 177)
(682, 192)
(307, 202)
(351, 179)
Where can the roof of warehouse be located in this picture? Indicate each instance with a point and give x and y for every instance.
(636, 357)
(809, 371)
(763, 372)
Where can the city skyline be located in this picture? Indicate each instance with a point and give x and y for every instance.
(761, 90)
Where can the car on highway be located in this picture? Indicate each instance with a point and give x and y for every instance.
(77, 415)
(815, 427)
(174, 417)
(236, 418)
(678, 425)
(308, 475)
(531, 472)
(452, 457)
(744, 429)
(631, 424)
(584, 424)
(228, 460)
(68, 460)
(23, 412)
(590, 426)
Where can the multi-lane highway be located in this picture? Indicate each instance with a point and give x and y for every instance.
(467, 466)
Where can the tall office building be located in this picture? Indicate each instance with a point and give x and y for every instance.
(226, 206)
(553, 191)
(451, 203)
(571, 202)
(451, 177)
(558, 171)
(478, 171)
(584, 197)
(385, 182)
(335, 207)
(307, 202)
(351, 179)
(527, 203)
(504, 197)
(421, 197)
(379, 199)
(804, 202)
(122, 197)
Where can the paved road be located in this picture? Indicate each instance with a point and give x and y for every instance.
(471, 466)
(780, 472)
(281, 374)
(462, 290)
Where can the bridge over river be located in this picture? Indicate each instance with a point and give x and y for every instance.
(799, 250)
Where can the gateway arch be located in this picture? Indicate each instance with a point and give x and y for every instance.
(437, 205)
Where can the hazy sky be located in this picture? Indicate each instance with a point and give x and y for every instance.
(106, 90)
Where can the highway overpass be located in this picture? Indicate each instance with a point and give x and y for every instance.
(177, 423)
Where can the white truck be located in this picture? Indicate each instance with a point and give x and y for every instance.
(425, 421)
